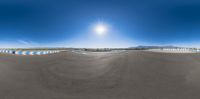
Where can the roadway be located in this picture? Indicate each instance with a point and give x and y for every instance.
(109, 75)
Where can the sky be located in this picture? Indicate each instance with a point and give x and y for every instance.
(71, 23)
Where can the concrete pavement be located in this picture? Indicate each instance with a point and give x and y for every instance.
(123, 75)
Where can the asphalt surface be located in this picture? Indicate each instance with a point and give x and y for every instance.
(115, 75)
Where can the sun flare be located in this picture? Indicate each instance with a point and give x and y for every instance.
(100, 29)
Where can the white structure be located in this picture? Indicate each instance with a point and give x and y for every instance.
(18, 52)
(176, 50)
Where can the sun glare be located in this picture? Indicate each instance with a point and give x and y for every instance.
(100, 29)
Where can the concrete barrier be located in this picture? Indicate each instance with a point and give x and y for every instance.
(18, 52)
(28, 52)
(38, 53)
(178, 50)
(6, 51)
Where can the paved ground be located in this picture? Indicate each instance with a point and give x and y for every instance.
(124, 75)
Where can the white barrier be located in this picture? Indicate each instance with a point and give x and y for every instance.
(31, 53)
(27, 52)
(180, 50)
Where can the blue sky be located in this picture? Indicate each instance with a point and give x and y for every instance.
(69, 23)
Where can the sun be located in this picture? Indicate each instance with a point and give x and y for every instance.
(100, 29)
